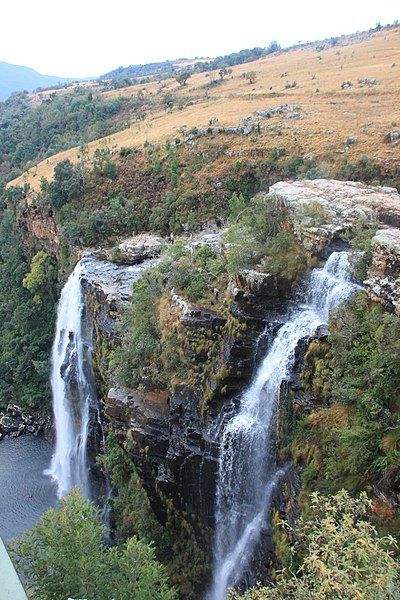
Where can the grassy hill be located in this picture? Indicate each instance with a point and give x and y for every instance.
(16, 78)
(331, 120)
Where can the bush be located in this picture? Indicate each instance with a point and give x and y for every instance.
(141, 337)
(365, 169)
(338, 554)
(355, 441)
(250, 76)
(259, 240)
(64, 556)
(68, 183)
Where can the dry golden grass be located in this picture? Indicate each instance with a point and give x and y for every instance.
(329, 114)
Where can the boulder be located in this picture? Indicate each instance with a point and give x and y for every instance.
(394, 136)
(367, 82)
(139, 248)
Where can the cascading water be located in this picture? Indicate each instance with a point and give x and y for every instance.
(73, 388)
(248, 472)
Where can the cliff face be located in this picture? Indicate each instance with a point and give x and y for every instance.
(40, 224)
(174, 444)
(383, 283)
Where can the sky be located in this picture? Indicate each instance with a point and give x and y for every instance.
(83, 38)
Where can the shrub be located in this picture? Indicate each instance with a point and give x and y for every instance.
(337, 554)
(68, 182)
(259, 240)
(141, 338)
(64, 556)
(353, 442)
(250, 76)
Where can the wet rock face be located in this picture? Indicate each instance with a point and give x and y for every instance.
(320, 211)
(169, 447)
(383, 283)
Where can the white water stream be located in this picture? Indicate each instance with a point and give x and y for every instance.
(248, 472)
(73, 389)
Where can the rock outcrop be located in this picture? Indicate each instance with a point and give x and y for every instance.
(383, 283)
(129, 251)
(40, 223)
(322, 211)
(172, 441)
(14, 423)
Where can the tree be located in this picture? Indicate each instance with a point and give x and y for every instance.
(42, 277)
(68, 181)
(64, 556)
(223, 72)
(27, 326)
(182, 77)
(340, 555)
(250, 76)
(273, 46)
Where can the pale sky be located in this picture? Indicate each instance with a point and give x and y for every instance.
(87, 38)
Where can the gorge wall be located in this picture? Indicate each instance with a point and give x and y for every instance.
(171, 432)
(171, 442)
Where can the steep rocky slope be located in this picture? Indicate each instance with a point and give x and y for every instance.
(172, 442)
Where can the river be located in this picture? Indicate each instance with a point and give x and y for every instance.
(25, 492)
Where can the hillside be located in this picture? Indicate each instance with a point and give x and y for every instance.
(199, 272)
(326, 115)
(16, 78)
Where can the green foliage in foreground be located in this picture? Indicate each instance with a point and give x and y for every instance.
(337, 554)
(64, 556)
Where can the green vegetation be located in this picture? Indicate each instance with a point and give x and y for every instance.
(64, 556)
(42, 277)
(354, 441)
(154, 343)
(30, 134)
(86, 228)
(140, 348)
(337, 554)
(68, 183)
(162, 70)
(28, 291)
(250, 76)
(259, 240)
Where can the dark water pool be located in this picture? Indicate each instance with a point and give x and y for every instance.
(25, 493)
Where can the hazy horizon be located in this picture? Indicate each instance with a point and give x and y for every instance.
(87, 42)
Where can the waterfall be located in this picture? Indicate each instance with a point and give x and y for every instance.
(73, 388)
(248, 473)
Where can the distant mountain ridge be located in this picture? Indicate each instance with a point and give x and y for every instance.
(16, 78)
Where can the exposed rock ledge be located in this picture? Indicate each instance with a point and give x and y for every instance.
(107, 288)
(130, 251)
(383, 283)
(320, 211)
